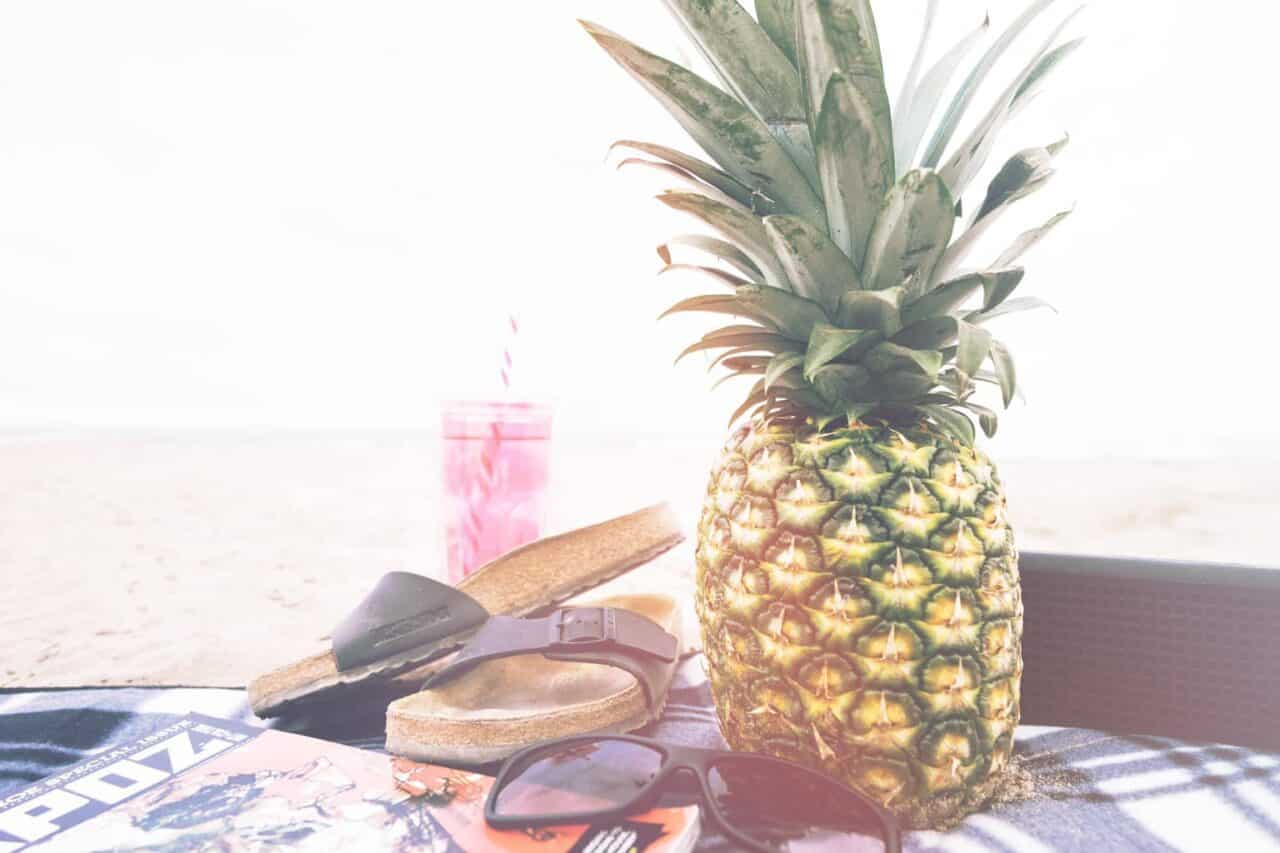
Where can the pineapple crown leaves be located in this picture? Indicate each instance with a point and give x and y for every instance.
(837, 220)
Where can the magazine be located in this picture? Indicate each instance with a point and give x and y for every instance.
(208, 784)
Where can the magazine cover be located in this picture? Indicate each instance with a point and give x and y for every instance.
(203, 784)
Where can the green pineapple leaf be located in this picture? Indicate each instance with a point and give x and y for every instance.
(953, 423)
(943, 298)
(824, 421)
(788, 383)
(754, 364)
(855, 167)
(901, 386)
(736, 336)
(911, 121)
(781, 364)
(776, 309)
(1006, 375)
(734, 136)
(827, 343)
(816, 269)
(972, 154)
(722, 249)
(939, 398)
(839, 36)
(726, 278)
(872, 309)
(755, 397)
(989, 377)
(1031, 85)
(987, 419)
(685, 179)
(839, 383)
(793, 315)
(1010, 306)
(973, 346)
(795, 138)
(886, 357)
(700, 169)
(733, 374)
(1027, 239)
(744, 230)
(730, 353)
(752, 67)
(791, 399)
(910, 234)
(909, 83)
(929, 333)
(957, 383)
(778, 19)
(1023, 174)
(998, 284)
(855, 412)
(712, 304)
(969, 88)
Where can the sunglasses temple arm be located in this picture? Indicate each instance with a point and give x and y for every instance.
(892, 835)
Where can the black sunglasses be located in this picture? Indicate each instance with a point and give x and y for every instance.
(762, 803)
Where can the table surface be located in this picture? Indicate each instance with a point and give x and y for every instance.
(1077, 789)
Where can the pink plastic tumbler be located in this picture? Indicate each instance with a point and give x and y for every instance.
(496, 461)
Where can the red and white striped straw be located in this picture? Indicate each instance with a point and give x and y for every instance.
(490, 473)
(506, 353)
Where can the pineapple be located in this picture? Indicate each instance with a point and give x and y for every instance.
(857, 577)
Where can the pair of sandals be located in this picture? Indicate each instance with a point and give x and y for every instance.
(525, 670)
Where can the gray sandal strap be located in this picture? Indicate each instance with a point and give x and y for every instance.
(405, 612)
(603, 635)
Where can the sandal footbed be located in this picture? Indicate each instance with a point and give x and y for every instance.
(503, 705)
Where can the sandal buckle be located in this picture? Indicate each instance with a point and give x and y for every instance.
(584, 627)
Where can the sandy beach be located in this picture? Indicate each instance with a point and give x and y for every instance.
(201, 558)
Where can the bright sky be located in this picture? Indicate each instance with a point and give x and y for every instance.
(319, 214)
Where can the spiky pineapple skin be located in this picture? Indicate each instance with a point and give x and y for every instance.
(861, 612)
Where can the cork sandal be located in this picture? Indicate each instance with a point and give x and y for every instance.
(408, 620)
(602, 667)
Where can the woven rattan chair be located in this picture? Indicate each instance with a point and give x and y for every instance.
(1185, 650)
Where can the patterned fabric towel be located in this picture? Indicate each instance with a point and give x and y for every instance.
(1070, 789)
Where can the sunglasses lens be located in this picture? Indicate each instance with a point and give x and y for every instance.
(577, 778)
(785, 807)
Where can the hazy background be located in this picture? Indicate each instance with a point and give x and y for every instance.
(247, 248)
(319, 214)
